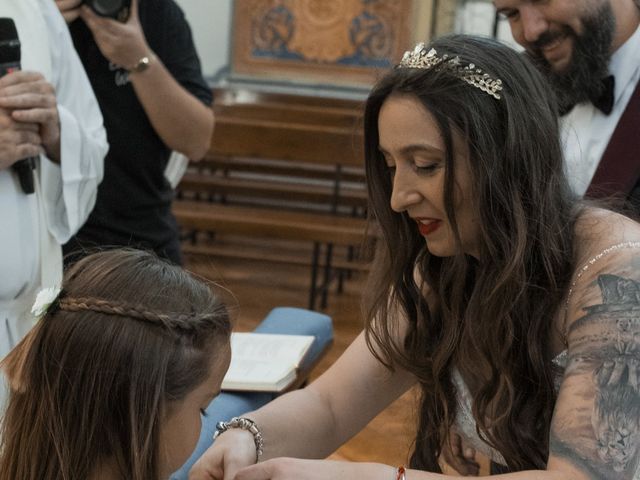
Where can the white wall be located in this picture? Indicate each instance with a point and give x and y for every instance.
(477, 17)
(210, 22)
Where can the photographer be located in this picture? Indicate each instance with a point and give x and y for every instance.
(49, 113)
(146, 75)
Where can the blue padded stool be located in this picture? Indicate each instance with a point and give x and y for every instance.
(281, 320)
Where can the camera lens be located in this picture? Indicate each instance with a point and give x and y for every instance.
(107, 8)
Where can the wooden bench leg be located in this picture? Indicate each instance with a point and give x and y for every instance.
(350, 257)
(341, 274)
(314, 275)
(327, 275)
(344, 273)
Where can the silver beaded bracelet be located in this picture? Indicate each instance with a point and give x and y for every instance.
(244, 424)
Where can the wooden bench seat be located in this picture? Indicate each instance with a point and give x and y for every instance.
(305, 226)
(211, 248)
(254, 188)
(248, 137)
(344, 173)
(325, 117)
(246, 96)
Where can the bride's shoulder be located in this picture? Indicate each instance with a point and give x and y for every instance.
(597, 229)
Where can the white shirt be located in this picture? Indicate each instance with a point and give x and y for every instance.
(586, 131)
(33, 227)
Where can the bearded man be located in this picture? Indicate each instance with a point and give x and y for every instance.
(590, 52)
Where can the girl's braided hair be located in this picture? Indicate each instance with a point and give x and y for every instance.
(128, 336)
(186, 322)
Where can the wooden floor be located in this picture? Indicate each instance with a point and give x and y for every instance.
(260, 286)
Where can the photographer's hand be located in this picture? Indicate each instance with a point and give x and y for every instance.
(70, 9)
(32, 102)
(123, 44)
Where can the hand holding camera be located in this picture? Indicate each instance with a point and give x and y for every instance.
(116, 9)
(123, 44)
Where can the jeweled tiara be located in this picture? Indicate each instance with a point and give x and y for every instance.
(420, 58)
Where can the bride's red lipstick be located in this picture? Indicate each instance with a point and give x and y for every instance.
(428, 228)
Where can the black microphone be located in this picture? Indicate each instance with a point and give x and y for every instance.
(10, 62)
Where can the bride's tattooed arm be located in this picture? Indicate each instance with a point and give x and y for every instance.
(596, 426)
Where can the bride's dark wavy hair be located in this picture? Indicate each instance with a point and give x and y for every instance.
(492, 319)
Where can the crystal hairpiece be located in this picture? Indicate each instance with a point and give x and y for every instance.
(420, 58)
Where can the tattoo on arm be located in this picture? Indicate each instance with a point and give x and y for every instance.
(603, 436)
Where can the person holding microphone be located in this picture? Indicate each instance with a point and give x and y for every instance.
(48, 113)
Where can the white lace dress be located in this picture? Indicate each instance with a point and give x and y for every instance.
(466, 424)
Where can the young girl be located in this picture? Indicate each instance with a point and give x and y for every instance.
(514, 307)
(111, 381)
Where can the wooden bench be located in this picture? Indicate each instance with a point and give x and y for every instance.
(284, 168)
(249, 180)
(227, 186)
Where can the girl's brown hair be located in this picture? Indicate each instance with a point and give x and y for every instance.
(94, 378)
(492, 318)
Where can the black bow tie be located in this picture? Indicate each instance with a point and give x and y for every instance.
(604, 102)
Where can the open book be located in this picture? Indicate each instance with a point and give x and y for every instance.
(264, 362)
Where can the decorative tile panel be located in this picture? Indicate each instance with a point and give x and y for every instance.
(340, 42)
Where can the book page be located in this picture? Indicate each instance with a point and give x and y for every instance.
(263, 347)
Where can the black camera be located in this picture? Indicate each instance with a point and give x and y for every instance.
(117, 9)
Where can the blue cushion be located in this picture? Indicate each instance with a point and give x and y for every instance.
(282, 320)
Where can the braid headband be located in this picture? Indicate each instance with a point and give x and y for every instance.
(50, 300)
(173, 320)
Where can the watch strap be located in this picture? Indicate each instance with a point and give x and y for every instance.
(142, 64)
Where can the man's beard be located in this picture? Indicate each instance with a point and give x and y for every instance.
(581, 80)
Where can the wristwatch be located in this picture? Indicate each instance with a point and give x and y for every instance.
(142, 64)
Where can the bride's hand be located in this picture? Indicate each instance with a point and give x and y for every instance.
(297, 469)
(461, 456)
